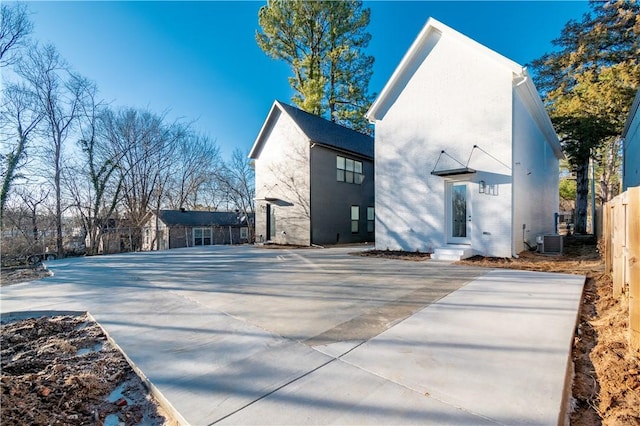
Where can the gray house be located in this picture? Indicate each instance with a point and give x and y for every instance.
(631, 150)
(180, 228)
(314, 180)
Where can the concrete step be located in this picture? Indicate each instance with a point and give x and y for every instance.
(452, 253)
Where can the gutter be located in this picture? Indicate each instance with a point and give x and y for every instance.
(313, 144)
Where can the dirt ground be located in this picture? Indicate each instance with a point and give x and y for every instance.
(62, 370)
(45, 380)
(606, 385)
(18, 274)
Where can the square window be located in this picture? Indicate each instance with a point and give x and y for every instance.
(348, 177)
(349, 165)
(349, 171)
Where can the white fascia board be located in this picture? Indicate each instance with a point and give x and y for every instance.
(532, 101)
(408, 58)
(432, 28)
(257, 144)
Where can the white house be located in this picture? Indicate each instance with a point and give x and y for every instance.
(631, 147)
(466, 155)
(314, 180)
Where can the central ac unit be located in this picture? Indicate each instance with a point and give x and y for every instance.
(550, 244)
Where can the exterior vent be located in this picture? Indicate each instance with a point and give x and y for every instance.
(550, 244)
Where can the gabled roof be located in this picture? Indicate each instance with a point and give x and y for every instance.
(420, 49)
(200, 218)
(317, 130)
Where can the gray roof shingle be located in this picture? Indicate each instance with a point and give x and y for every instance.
(200, 218)
(327, 133)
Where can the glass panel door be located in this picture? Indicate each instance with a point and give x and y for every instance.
(458, 213)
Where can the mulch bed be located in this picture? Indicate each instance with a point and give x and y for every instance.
(62, 370)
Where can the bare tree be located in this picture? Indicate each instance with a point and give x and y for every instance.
(197, 159)
(237, 181)
(19, 118)
(59, 92)
(608, 169)
(94, 182)
(146, 144)
(26, 229)
(15, 28)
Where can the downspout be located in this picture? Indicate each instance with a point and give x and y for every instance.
(523, 76)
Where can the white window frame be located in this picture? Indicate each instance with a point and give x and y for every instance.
(203, 236)
(355, 219)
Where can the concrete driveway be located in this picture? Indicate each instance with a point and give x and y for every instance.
(247, 335)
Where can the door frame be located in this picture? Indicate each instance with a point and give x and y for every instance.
(449, 238)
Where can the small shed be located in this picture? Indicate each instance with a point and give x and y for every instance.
(180, 228)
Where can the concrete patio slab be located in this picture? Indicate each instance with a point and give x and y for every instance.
(247, 335)
(498, 347)
(338, 394)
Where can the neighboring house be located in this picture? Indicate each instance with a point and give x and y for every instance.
(314, 180)
(115, 235)
(631, 147)
(179, 228)
(466, 155)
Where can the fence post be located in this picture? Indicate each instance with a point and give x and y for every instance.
(618, 242)
(633, 244)
(607, 232)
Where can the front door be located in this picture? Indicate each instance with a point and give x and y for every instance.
(458, 213)
(268, 222)
(271, 223)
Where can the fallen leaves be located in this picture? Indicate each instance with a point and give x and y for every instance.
(63, 370)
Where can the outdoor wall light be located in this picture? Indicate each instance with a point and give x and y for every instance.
(482, 186)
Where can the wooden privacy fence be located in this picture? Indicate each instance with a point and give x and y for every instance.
(621, 237)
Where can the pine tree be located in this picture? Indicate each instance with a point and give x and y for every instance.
(323, 42)
(588, 85)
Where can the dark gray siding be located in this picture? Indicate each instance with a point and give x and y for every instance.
(331, 200)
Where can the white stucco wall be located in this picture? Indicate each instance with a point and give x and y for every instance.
(457, 98)
(282, 172)
(535, 177)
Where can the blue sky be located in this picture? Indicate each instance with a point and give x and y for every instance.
(199, 60)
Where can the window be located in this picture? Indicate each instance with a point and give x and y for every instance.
(348, 170)
(244, 233)
(371, 219)
(201, 236)
(272, 224)
(355, 219)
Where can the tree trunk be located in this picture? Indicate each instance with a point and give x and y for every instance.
(57, 184)
(582, 197)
